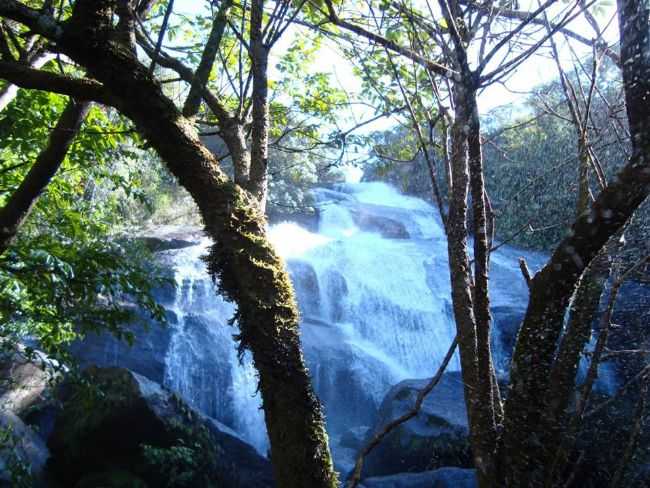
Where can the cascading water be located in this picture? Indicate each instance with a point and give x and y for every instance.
(373, 289)
(201, 361)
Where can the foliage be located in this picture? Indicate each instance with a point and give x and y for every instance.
(69, 270)
(16, 469)
(531, 161)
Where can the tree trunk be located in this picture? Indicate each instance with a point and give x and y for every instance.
(478, 387)
(247, 268)
(553, 286)
(558, 440)
(258, 183)
(20, 203)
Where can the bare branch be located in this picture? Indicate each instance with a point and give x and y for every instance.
(388, 428)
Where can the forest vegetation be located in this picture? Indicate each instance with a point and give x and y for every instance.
(121, 116)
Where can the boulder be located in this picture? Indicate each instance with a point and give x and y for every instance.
(382, 225)
(26, 376)
(146, 356)
(440, 478)
(354, 437)
(305, 283)
(506, 320)
(170, 237)
(436, 437)
(23, 454)
(121, 426)
(344, 376)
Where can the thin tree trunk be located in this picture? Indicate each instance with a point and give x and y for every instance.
(553, 286)
(486, 385)
(247, 268)
(257, 184)
(20, 203)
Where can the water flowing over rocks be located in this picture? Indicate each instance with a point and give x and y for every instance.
(139, 432)
(373, 288)
(436, 437)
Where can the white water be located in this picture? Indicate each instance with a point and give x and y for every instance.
(373, 288)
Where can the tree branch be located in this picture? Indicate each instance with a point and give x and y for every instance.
(80, 88)
(19, 205)
(391, 426)
(371, 36)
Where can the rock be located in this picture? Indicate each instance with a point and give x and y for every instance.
(344, 376)
(169, 237)
(385, 226)
(354, 437)
(23, 454)
(146, 356)
(506, 322)
(306, 217)
(305, 283)
(157, 244)
(127, 424)
(437, 436)
(440, 478)
(25, 378)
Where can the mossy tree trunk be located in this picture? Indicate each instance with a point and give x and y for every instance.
(553, 286)
(49, 160)
(248, 270)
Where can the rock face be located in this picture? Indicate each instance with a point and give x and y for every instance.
(128, 429)
(23, 453)
(145, 356)
(440, 478)
(385, 226)
(25, 379)
(436, 437)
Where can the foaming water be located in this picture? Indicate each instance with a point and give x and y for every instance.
(373, 289)
(201, 362)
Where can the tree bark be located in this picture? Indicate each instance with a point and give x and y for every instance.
(247, 268)
(558, 440)
(553, 286)
(20, 203)
(193, 100)
(258, 183)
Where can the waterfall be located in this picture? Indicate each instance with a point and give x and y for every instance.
(201, 360)
(373, 289)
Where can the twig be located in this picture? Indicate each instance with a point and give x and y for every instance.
(161, 35)
(388, 428)
(525, 270)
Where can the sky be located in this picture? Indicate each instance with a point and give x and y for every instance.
(538, 69)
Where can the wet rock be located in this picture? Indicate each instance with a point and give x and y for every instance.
(354, 437)
(385, 226)
(26, 377)
(23, 454)
(437, 436)
(146, 356)
(440, 478)
(506, 322)
(336, 290)
(169, 237)
(128, 424)
(305, 282)
(345, 377)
